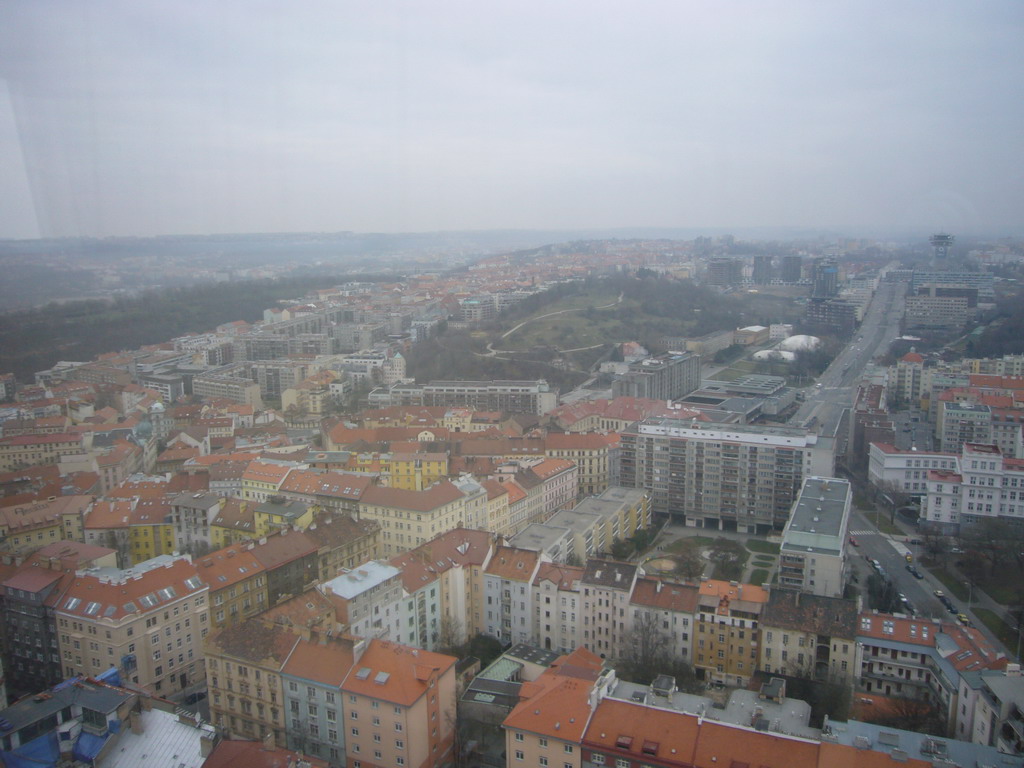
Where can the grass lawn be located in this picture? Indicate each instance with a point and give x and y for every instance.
(766, 547)
(1006, 634)
(881, 521)
(680, 545)
(1004, 592)
(760, 576)
(959, 590)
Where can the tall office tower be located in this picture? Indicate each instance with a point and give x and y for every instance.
(792, 266)
(826, 278)
(725, 272)
(762, 270)
(941, 244)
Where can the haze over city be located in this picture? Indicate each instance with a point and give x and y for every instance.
(120, 118)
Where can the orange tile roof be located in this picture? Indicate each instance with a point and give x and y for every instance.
(458, 547)
(229, 565)
(139, 591)
(434, 497)
(513, 563)
(750, 592)
(623, 728)
(551, 467)
(326, 661)
(555, 705)
(727, 744)
(671, 596)
(109, 514)
(407, 672)
(562, 576)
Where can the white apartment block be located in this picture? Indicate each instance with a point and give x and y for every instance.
(813, 552)
(558, 606)
(508, 593)
(905, 470)
(721, 476)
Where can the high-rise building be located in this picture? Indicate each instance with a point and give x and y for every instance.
(826, 278)
(666, 377)
(762, 270)
(792, 267)
(723, 476)
(725, 272)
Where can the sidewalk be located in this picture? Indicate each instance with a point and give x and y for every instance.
(979, 598)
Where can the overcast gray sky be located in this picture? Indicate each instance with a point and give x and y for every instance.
(145, 118)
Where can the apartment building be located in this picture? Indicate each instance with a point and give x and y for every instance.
(812, 556)
(191, 515)
(721, 476)
(727, 630)
(343, 542)
(237, 582)
(666, 377)
(983, 484)
(509, 396)
(291, 561)
(546, 727)
(311, 679)
(990, 709)
(908, 383)
(409, 519)
(244, 664)
(369, 600)
(607, 586)
(508, 592)
(228, 383)
(30, 450)
(558, 606)
(961, 423)
(264, 478)
(399, 705)
(32, 661)
(665, 610)
(149, 621)
(806, 635)
(593, 453)
(33, 524)
(921, 659)
(905, 470)
(453, 563)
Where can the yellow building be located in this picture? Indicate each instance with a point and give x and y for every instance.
(415, 471)
(278, 512)
(150, 530)
(727, 636)
(238, 584)
(235, 522)
(36, 523)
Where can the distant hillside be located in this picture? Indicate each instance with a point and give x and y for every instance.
(34, 340)
(566, 330)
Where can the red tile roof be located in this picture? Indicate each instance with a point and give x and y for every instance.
(395, 673)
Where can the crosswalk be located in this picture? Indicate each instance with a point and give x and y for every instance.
(863, 533)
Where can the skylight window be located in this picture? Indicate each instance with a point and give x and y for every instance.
(92, 609)
(72, 603)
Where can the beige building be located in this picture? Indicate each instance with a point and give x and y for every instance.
(409, 519)
(810, 636)
(399, 708)
(148, 620)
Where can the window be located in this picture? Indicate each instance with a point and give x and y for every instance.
(543, 742)
(543, 760)
(519, 736)
(568, 748)
(519, 754)
(399, 744)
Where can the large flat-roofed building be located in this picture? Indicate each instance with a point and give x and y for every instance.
(509, 396)
(665, 377)
(723, 476)
(813, 555)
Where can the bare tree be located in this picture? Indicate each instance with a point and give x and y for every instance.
(450, 635)
(647, 651)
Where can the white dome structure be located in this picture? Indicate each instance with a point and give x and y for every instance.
(800, 343)
(774, 354)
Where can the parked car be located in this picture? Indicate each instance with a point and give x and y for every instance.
(854, 541)
(939, 594)
(962, 618)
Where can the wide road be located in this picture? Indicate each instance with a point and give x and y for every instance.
(824, 405)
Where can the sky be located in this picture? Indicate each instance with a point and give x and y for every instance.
(144, 117)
